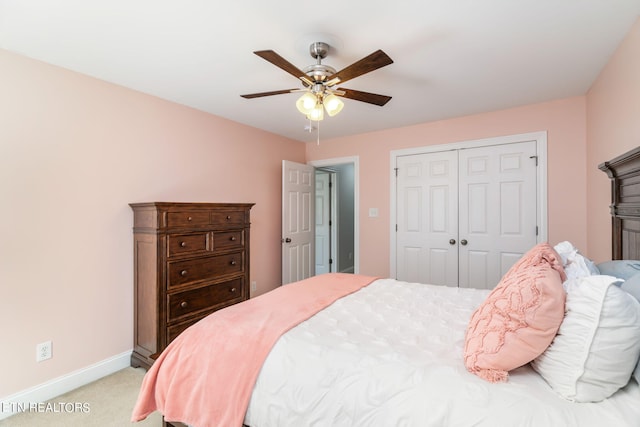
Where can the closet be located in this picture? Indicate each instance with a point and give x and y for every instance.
(465, 215)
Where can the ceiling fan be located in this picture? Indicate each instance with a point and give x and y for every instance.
(320, 81)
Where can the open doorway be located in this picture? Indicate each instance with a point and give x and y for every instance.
(336, 215)
(326, 230)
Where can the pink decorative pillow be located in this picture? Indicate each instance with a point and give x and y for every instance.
(519, 318)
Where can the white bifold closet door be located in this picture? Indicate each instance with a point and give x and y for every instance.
(427, 216)
(465, 216)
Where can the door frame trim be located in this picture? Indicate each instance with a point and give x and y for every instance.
(356, 199)
(541, 180)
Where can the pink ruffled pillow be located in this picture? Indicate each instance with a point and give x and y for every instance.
(519, 318)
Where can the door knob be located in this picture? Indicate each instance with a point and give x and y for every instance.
(452, 241)
(463, 242)
(287, 240)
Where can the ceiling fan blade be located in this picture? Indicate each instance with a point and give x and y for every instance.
(371, 98)
(279, 61)
(377, 59)
(275, 92)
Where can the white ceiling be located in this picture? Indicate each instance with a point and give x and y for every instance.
(451, 57)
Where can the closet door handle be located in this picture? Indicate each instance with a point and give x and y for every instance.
(463, 242)
(452, 241)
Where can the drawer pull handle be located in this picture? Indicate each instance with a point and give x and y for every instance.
(233, 262)
(189, 219)
(233, 238)
(183, 273)
(233, 290)
(183, 304)
(183, 244)
(228, 217)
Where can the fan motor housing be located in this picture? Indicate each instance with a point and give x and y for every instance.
(319, 72)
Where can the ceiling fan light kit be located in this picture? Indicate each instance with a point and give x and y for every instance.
(311, 103)
(319, 81)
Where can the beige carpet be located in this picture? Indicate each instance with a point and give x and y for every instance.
(107, 402)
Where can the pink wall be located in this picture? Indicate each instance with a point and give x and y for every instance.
(74, 151)
(564, 121)
(613, 127)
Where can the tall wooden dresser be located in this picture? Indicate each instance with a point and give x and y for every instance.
(190, 259)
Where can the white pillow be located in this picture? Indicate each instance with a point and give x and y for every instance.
(574, 263)
(598, 343)
(632, 286)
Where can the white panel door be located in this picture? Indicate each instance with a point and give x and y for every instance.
(323, 218)
(497, 205)
(427, 218)
(298, 200)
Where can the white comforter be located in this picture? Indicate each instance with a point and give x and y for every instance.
(391, 355)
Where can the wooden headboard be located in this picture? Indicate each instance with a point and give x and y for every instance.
(624, 172)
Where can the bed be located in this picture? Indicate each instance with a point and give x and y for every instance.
(352, 350)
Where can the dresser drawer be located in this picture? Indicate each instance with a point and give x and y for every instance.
(178, 244)
(230, 217)
(204, 298)
(228, 240)
(175, 330)
(187, 219)
(182, 272)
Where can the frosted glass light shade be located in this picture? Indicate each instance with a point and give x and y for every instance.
(306, 103)
(333, 104)
(317, 113)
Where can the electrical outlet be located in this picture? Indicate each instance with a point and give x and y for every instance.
(43, 351)
(254, 286)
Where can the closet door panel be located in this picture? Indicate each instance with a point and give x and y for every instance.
(427, 216)
(497, 210)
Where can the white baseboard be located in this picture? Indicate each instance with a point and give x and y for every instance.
(65, 383)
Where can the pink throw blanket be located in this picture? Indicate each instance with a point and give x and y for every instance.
(205, 377)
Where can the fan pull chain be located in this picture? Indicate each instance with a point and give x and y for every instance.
(318, 133)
